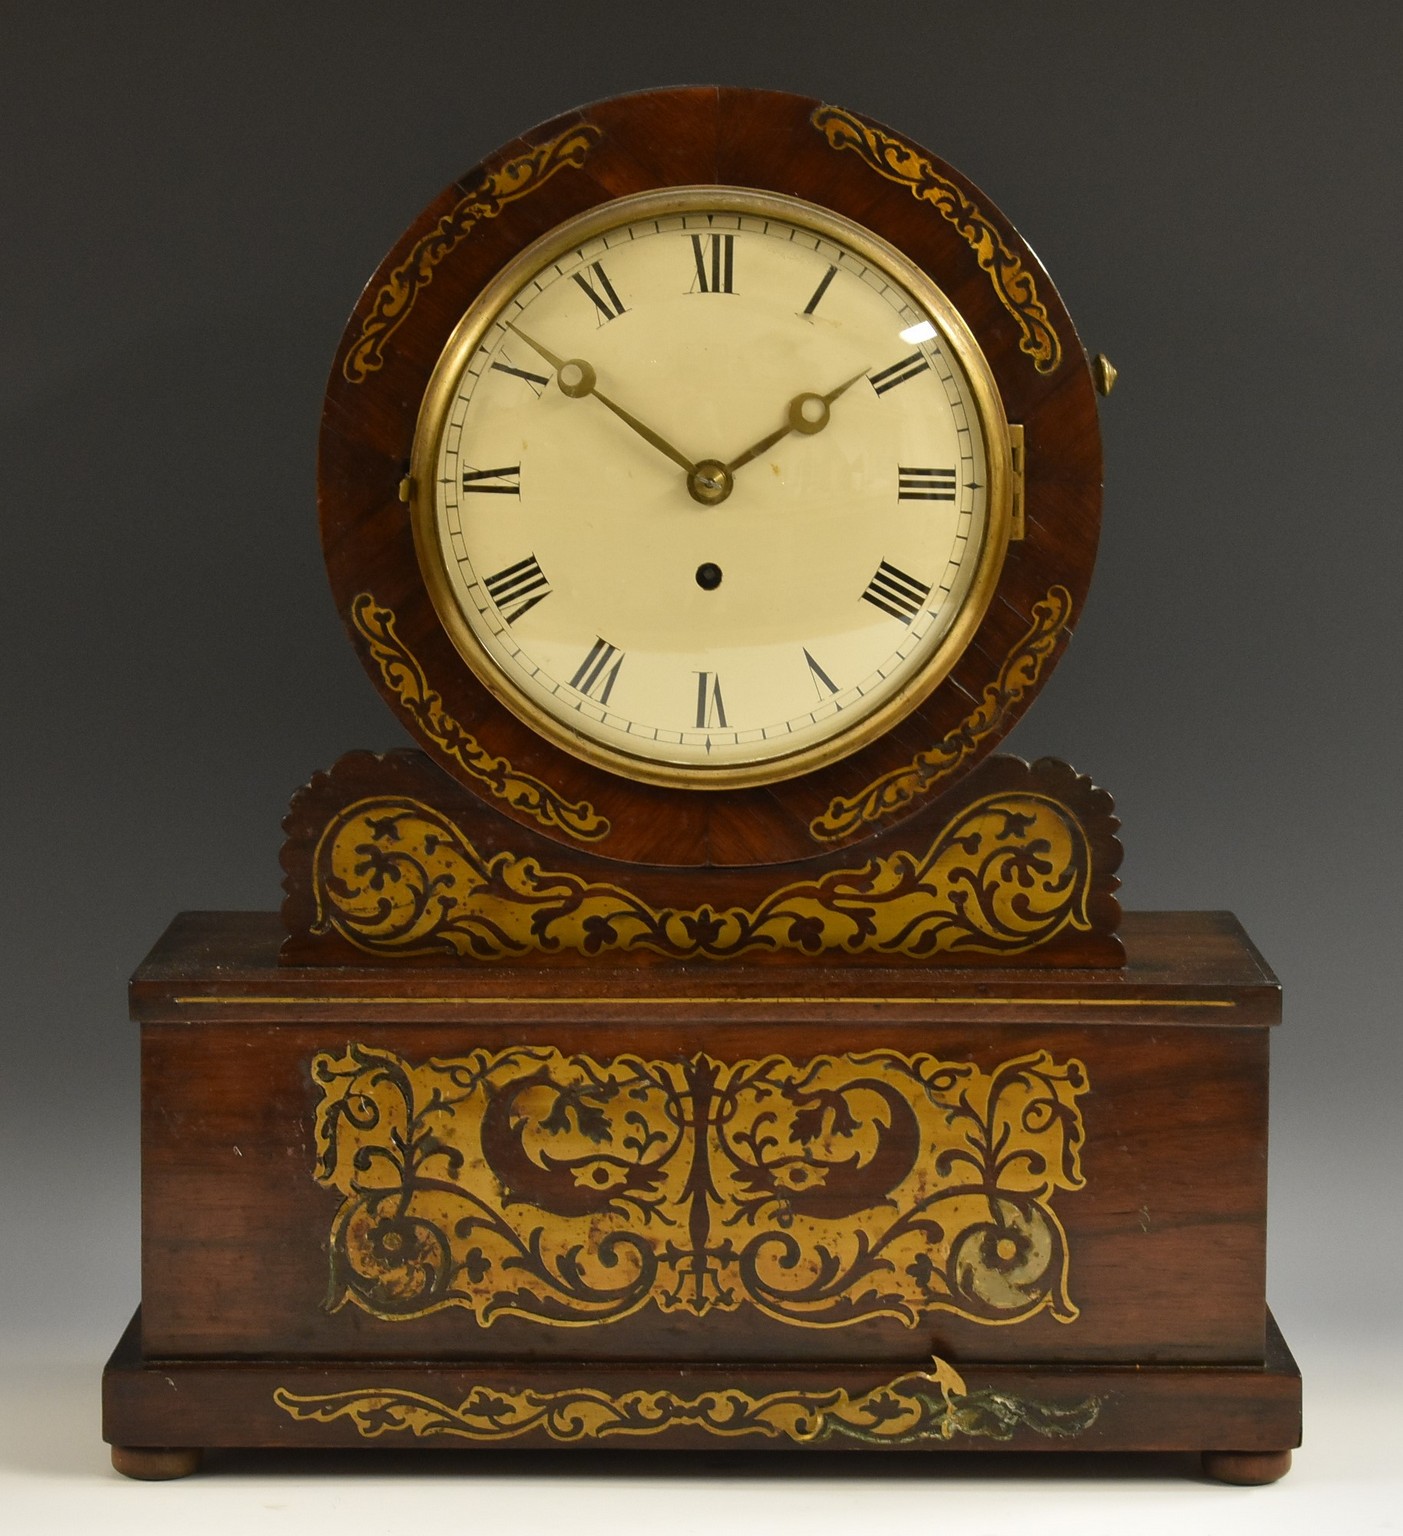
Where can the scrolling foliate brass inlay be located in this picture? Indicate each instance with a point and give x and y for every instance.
(570, 1191)
(899, 162)
(395, 876)
(516, 179)
(405, 677)
(1020, 671)
(933, 1405)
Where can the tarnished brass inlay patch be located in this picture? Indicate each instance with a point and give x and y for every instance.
(402, 673)
(571, 1191)
(899, 162)
(931, 1405)
(395, 297)
(395, 876)
(1020, 671)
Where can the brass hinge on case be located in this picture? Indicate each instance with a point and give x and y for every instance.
(1015, 444)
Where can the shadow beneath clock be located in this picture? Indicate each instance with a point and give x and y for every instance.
(637, 1466)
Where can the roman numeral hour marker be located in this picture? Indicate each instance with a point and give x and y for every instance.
(518, 588)
(598, 672)
(820, 678)
(819, 292)
(715, 257)
(711, 711)
(896, 593)
(925, 484)
(601, 293)
(898, 373)
(501, 482)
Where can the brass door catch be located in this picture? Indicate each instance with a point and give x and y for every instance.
(1015, 443)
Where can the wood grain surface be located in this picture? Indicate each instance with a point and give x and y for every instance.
(1165, 1241)
(760, 139)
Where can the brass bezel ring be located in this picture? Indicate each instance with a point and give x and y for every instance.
(956, 336)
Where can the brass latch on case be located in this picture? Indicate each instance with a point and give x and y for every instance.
(1015, 444)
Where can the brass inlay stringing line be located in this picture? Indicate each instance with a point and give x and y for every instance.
(704, 1002)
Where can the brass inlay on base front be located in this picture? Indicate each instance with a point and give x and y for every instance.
(932, 1405)
(575, 1192)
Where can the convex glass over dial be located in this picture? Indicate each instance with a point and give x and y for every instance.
(711, 486)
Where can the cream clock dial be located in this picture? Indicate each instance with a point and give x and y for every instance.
(711, 486)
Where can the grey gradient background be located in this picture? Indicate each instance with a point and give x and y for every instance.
(190, 198)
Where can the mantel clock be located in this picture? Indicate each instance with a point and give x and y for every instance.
(708, 480)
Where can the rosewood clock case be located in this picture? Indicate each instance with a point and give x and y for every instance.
(847, 1111)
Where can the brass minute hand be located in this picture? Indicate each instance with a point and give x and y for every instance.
(576, 379)
(807, 413)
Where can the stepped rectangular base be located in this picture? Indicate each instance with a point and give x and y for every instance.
(684, 1210)
(190, 1405)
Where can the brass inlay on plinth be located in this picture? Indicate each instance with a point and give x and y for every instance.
(930, 1405)
(395, 876)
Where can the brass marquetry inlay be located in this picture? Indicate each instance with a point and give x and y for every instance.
(930, 1405)
(395, 298)
(1020, 671)
(395, 876)
(573, 1191)
(900, 162)
(405, 677)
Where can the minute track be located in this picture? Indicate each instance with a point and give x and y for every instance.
(640, 657)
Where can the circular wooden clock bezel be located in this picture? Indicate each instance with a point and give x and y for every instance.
(770, 142)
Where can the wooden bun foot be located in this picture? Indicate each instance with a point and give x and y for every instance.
(155, 1464)
(1249, 1468)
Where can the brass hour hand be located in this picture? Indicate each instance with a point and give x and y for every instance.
(807, 413)
(576, 379)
